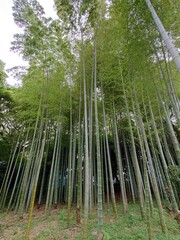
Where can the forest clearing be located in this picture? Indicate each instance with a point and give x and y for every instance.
(90, 137)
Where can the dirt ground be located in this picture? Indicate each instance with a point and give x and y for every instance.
(128, 226)
(13, 227)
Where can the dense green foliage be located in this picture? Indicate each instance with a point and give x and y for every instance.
(97, 114)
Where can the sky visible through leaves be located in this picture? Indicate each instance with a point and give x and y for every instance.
(8, 29)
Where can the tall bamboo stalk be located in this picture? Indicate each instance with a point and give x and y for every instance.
(173, 51)
(99, 166)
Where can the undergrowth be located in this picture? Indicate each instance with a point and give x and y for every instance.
(54, 226)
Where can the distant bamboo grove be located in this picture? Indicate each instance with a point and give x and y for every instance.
(96, 119)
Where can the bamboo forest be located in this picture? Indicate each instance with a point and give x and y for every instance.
(89, 139)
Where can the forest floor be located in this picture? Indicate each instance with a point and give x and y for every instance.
(128, 226)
